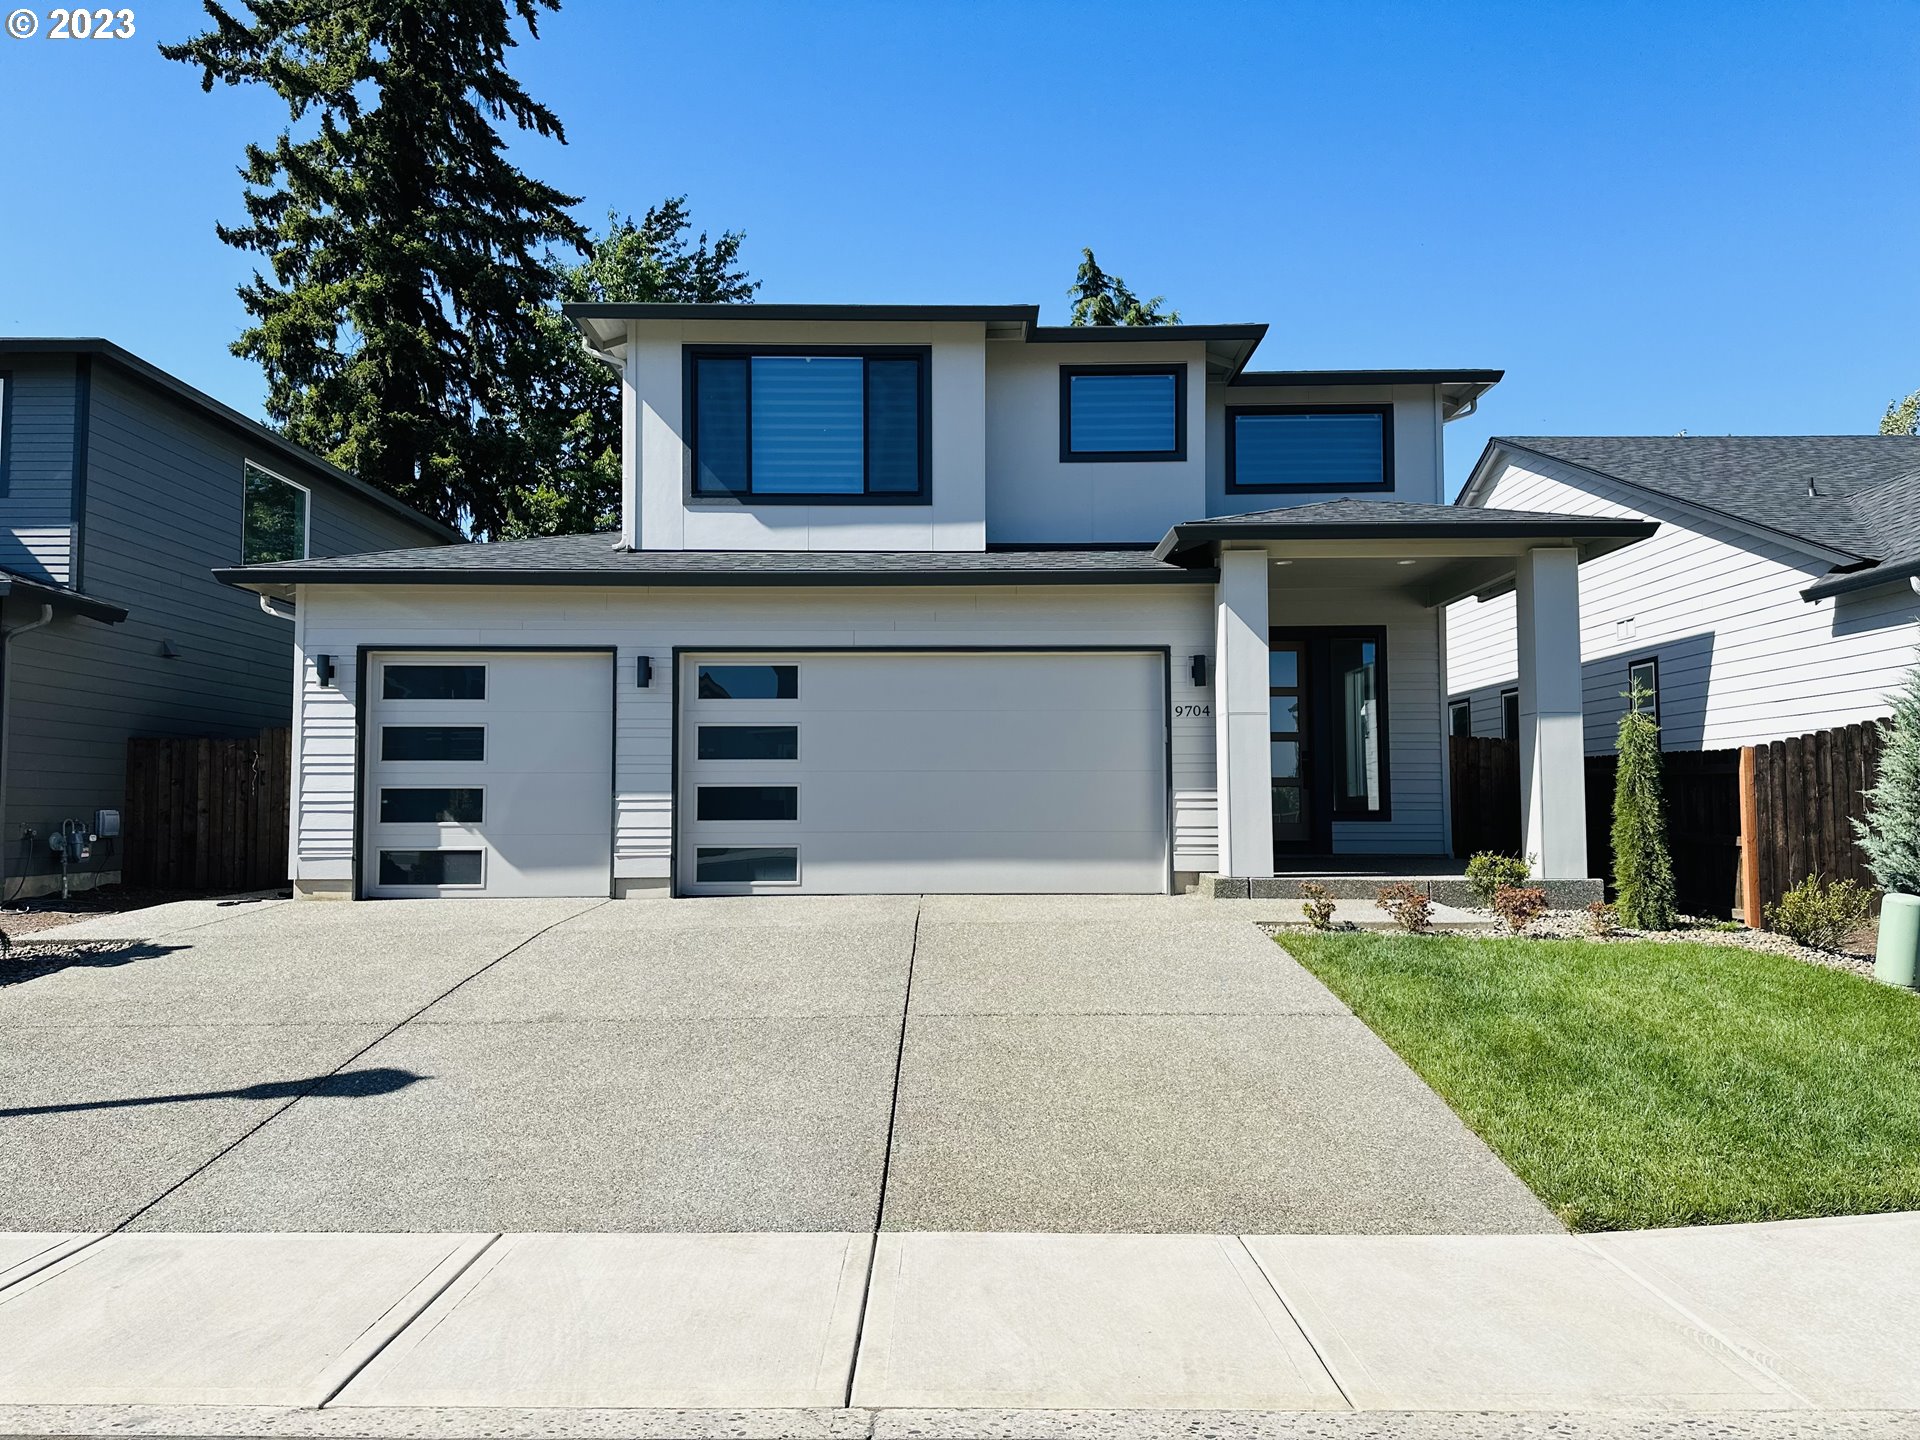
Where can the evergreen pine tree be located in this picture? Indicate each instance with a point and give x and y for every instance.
(1902, 417)
(1103, 299)
(569, 413)
(406, 259)
(1890, 835)
(1642, 868)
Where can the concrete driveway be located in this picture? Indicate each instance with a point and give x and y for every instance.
(845, 1064)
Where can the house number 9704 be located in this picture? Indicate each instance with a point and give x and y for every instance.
(1192, 712)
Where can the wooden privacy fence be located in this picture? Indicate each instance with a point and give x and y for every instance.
(206, 814)
(1804, 794)
(1744, 826)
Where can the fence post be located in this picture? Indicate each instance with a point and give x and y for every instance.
(1752, 908)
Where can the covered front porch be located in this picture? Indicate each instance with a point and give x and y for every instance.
(1330, 692)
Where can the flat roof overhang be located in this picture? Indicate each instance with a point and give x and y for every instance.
(63, 600)
(1460, 390)
(1228, 347)
(1446, 561)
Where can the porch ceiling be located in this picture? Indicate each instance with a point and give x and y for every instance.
(1427, 580)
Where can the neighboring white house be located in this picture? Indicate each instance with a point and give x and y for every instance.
(1774, 601)
(935, 598)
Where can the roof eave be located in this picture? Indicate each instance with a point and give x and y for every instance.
(1848, 581)
(71, 602)
(1592, 537)
(279, 584)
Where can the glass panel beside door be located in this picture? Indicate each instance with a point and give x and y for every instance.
(1287, 707)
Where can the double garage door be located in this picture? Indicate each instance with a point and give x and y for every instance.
(833, 772)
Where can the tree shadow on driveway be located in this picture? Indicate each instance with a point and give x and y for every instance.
(348, 1084)
(27, 960)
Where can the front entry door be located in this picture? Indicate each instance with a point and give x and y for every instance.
(1289, 717)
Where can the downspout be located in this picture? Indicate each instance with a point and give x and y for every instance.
(629, 457)
(6, 709)
(279, 609)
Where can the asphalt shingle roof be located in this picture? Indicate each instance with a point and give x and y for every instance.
(1855, 494)
(594, 559)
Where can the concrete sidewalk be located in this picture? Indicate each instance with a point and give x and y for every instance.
(963, 1333)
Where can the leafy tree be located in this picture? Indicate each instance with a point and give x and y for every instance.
(1103, 299)
(406, 259)
(1890, 835)
(569, 411)
(1642, 868)
(1902, 417)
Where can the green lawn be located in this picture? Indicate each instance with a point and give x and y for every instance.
(1653, 1084)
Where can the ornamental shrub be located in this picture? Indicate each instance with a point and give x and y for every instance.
(1317, 904)
(1642, 868)
(1489, 870)
(1890, 835)
(1519, 905)
(1409, 905)
(1603, 920)
(1822, 916)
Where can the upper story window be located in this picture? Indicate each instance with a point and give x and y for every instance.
(773, 425)
(274, 522)
(1310, 447)
(1123, 412)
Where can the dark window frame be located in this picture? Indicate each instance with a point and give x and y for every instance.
(1322, 722)
(1386, 481)
(690, 355)
(1454, 706)
(1652, 662)
(1512, 733)
(1070, 456)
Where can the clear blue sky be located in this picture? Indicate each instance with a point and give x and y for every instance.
(1654, 216)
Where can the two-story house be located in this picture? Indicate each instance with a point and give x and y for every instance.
(937, 598)
(121, 489)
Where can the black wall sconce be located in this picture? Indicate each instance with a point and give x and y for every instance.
(1198, 669)
(323, 670)
(643, 671)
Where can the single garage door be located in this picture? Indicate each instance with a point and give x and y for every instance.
(488, 774)
(877, 772)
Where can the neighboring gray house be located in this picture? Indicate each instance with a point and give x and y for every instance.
(1776, 599)
(121, 489)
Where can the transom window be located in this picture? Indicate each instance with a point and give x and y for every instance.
(772, 425)
(273, 524)
(1310, 447)
(1123, 412)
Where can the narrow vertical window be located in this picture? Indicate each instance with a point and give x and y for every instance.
(273, 526)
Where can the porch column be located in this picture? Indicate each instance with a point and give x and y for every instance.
(1553, 774)
(1242, 765)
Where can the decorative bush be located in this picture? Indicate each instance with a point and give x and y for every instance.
(1519, 905)
(1489, 870)
(1822, 916)
(1890, 835)
(1317, 904)
(1642, 868)
(1602, 920)
(1410, 907)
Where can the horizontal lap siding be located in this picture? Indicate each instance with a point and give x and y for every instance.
(163, 509)
(1743, 659)
(37, 538)
(637, 621)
